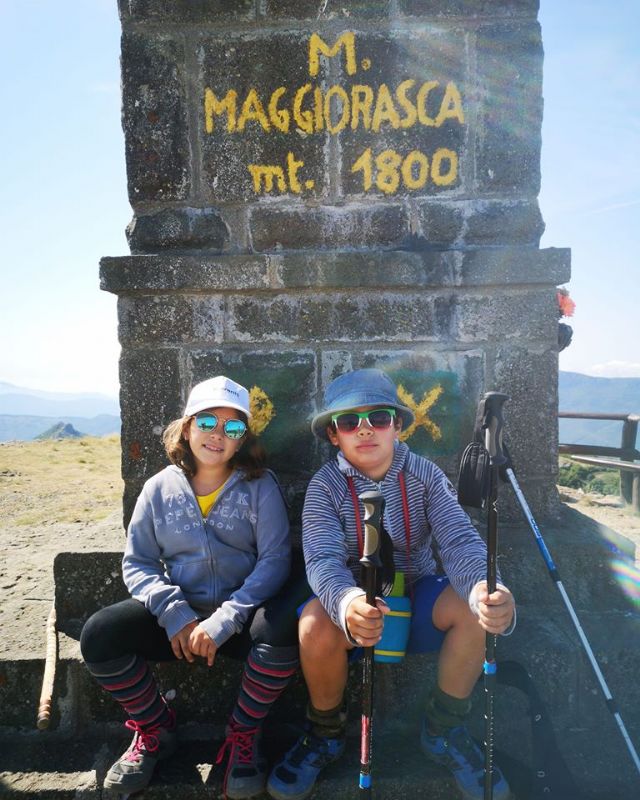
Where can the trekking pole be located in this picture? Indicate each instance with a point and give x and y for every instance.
(492, 423)
(370, 564)
(553, 571)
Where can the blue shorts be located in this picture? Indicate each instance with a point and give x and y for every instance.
(424, 636)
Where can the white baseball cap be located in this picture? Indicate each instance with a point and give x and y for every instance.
(218, 392)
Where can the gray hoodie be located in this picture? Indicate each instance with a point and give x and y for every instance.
(217, 570)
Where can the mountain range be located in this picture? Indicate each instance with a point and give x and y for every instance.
(26, 413)
(584, 393)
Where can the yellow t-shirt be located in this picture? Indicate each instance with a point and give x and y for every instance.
(207, 501)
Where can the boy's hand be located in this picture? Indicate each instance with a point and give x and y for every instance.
(365, 622)
(180, 642)
(495, 610)
(203, 645)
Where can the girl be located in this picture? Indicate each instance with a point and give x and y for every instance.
(207, 546)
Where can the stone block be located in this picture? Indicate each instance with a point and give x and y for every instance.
(309, 9)
(152, 394)
(469, 8)
(505, 265)
(480, 223)
(282, 384)
(155, 118)
(501, 316)
(508, 139)
(542, 497)
(165, 273)
(364, 270)
(20, 685)
(252, 145)
(186, 11)
(530, 378)
(96, 579)
(177, 228)
(170, 319)
(406, 114)
(442, 223)
(516, 222)
(343, 317)
(323, 228)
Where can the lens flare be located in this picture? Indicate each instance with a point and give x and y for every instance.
(628, 579)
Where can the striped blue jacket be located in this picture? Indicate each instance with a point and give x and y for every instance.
(330, 540)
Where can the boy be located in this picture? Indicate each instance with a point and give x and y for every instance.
(363, 417)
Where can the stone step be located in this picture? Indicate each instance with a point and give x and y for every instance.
(587, 736)
(77, 769)
(593, 563)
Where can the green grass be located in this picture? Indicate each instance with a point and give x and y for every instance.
(67, 480)
(588, 478)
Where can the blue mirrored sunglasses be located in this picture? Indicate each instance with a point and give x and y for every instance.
(208, 422)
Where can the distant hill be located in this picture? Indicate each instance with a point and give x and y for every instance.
(601, 395)
(17, 428)
(61, 430)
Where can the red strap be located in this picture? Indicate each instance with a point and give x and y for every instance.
(407, 523)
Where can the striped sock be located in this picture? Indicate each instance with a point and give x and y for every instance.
(130, 681)
(267, 673)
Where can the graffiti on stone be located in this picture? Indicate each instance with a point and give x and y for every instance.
(438, 404)
(311, 109)
(262, 410)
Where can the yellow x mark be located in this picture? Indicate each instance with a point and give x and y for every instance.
(420, 411)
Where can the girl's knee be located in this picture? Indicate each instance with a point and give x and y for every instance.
(90, 637)
(98, 637)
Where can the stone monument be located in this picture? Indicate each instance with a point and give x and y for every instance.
(320, 186)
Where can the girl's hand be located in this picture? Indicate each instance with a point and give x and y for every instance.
(203, 645)
(495, 610)
(365, 622)
(180, 643)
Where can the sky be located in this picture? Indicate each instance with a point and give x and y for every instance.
(63, 198)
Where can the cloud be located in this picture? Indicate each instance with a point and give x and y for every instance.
(613, 207)
(615, 369)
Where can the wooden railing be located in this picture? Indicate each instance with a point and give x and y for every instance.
(627, 453)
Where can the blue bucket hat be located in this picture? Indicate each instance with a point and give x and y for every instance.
(362, 387)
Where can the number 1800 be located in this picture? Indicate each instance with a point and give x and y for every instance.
(414, 170)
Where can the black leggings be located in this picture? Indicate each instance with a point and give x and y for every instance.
(127, 628)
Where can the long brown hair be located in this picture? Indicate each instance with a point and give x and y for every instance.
(251, 458)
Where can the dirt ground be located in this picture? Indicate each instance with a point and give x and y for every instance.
(608, 510)
(54, 497)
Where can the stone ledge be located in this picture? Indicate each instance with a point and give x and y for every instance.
(152, 274)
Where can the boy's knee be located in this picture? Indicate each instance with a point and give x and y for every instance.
(317, 631)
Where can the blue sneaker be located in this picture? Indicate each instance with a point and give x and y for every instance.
(462, 756)
(295, 776)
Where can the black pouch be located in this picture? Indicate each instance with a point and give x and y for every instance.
(473, 478)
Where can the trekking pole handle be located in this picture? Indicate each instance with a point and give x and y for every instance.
(371, 561)
(492, 424)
